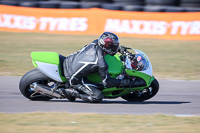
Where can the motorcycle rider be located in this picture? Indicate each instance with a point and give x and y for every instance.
(90, 59)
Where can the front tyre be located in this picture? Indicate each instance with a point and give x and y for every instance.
(146, 94)
(30, 78)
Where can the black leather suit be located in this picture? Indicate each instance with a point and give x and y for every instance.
(89, 59)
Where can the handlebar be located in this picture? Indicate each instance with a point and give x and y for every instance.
(124, 51)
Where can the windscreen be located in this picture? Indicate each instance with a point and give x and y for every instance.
(137, 62)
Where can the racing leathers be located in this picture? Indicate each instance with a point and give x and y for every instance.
(88, 60)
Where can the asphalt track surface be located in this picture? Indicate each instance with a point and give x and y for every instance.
(174, 98)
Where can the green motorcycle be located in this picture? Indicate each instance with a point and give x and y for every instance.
(47, 81)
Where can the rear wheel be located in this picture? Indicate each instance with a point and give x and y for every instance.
(34, 76)
(146, 94)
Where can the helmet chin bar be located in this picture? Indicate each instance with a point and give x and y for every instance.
(110, 52)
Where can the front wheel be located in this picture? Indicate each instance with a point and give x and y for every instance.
(146, 94)
(34, 76)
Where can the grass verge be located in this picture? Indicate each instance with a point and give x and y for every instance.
(170, 59)
(96, 123)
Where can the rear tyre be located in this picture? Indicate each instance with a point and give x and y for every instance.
(48, 4)
(28, 4)
(162, 2)
(151, 91)
(32, 77)
(111, 6)
(132, 8)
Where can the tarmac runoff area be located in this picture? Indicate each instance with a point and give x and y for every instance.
(175, 97)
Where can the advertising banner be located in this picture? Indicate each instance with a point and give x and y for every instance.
(171, 26)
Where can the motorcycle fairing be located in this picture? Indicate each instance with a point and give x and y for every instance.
(148, 71)
(115, 67)
(145, 77)
(117, 92)
(49, 64)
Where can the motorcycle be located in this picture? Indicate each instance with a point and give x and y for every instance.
(47, 81)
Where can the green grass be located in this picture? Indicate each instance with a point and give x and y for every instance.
(170, 59)
(96, 123)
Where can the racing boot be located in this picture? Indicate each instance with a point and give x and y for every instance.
(71, 94)
(91, 93)
(84, 89)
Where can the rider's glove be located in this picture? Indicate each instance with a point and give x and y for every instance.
(121, 49)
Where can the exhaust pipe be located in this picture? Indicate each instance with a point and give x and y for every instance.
(45, 90)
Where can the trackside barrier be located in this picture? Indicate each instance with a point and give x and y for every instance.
(172, 26)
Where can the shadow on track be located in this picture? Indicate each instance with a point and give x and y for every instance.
(145, 102)
(124, 102)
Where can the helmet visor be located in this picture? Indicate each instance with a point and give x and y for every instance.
(112, 50)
